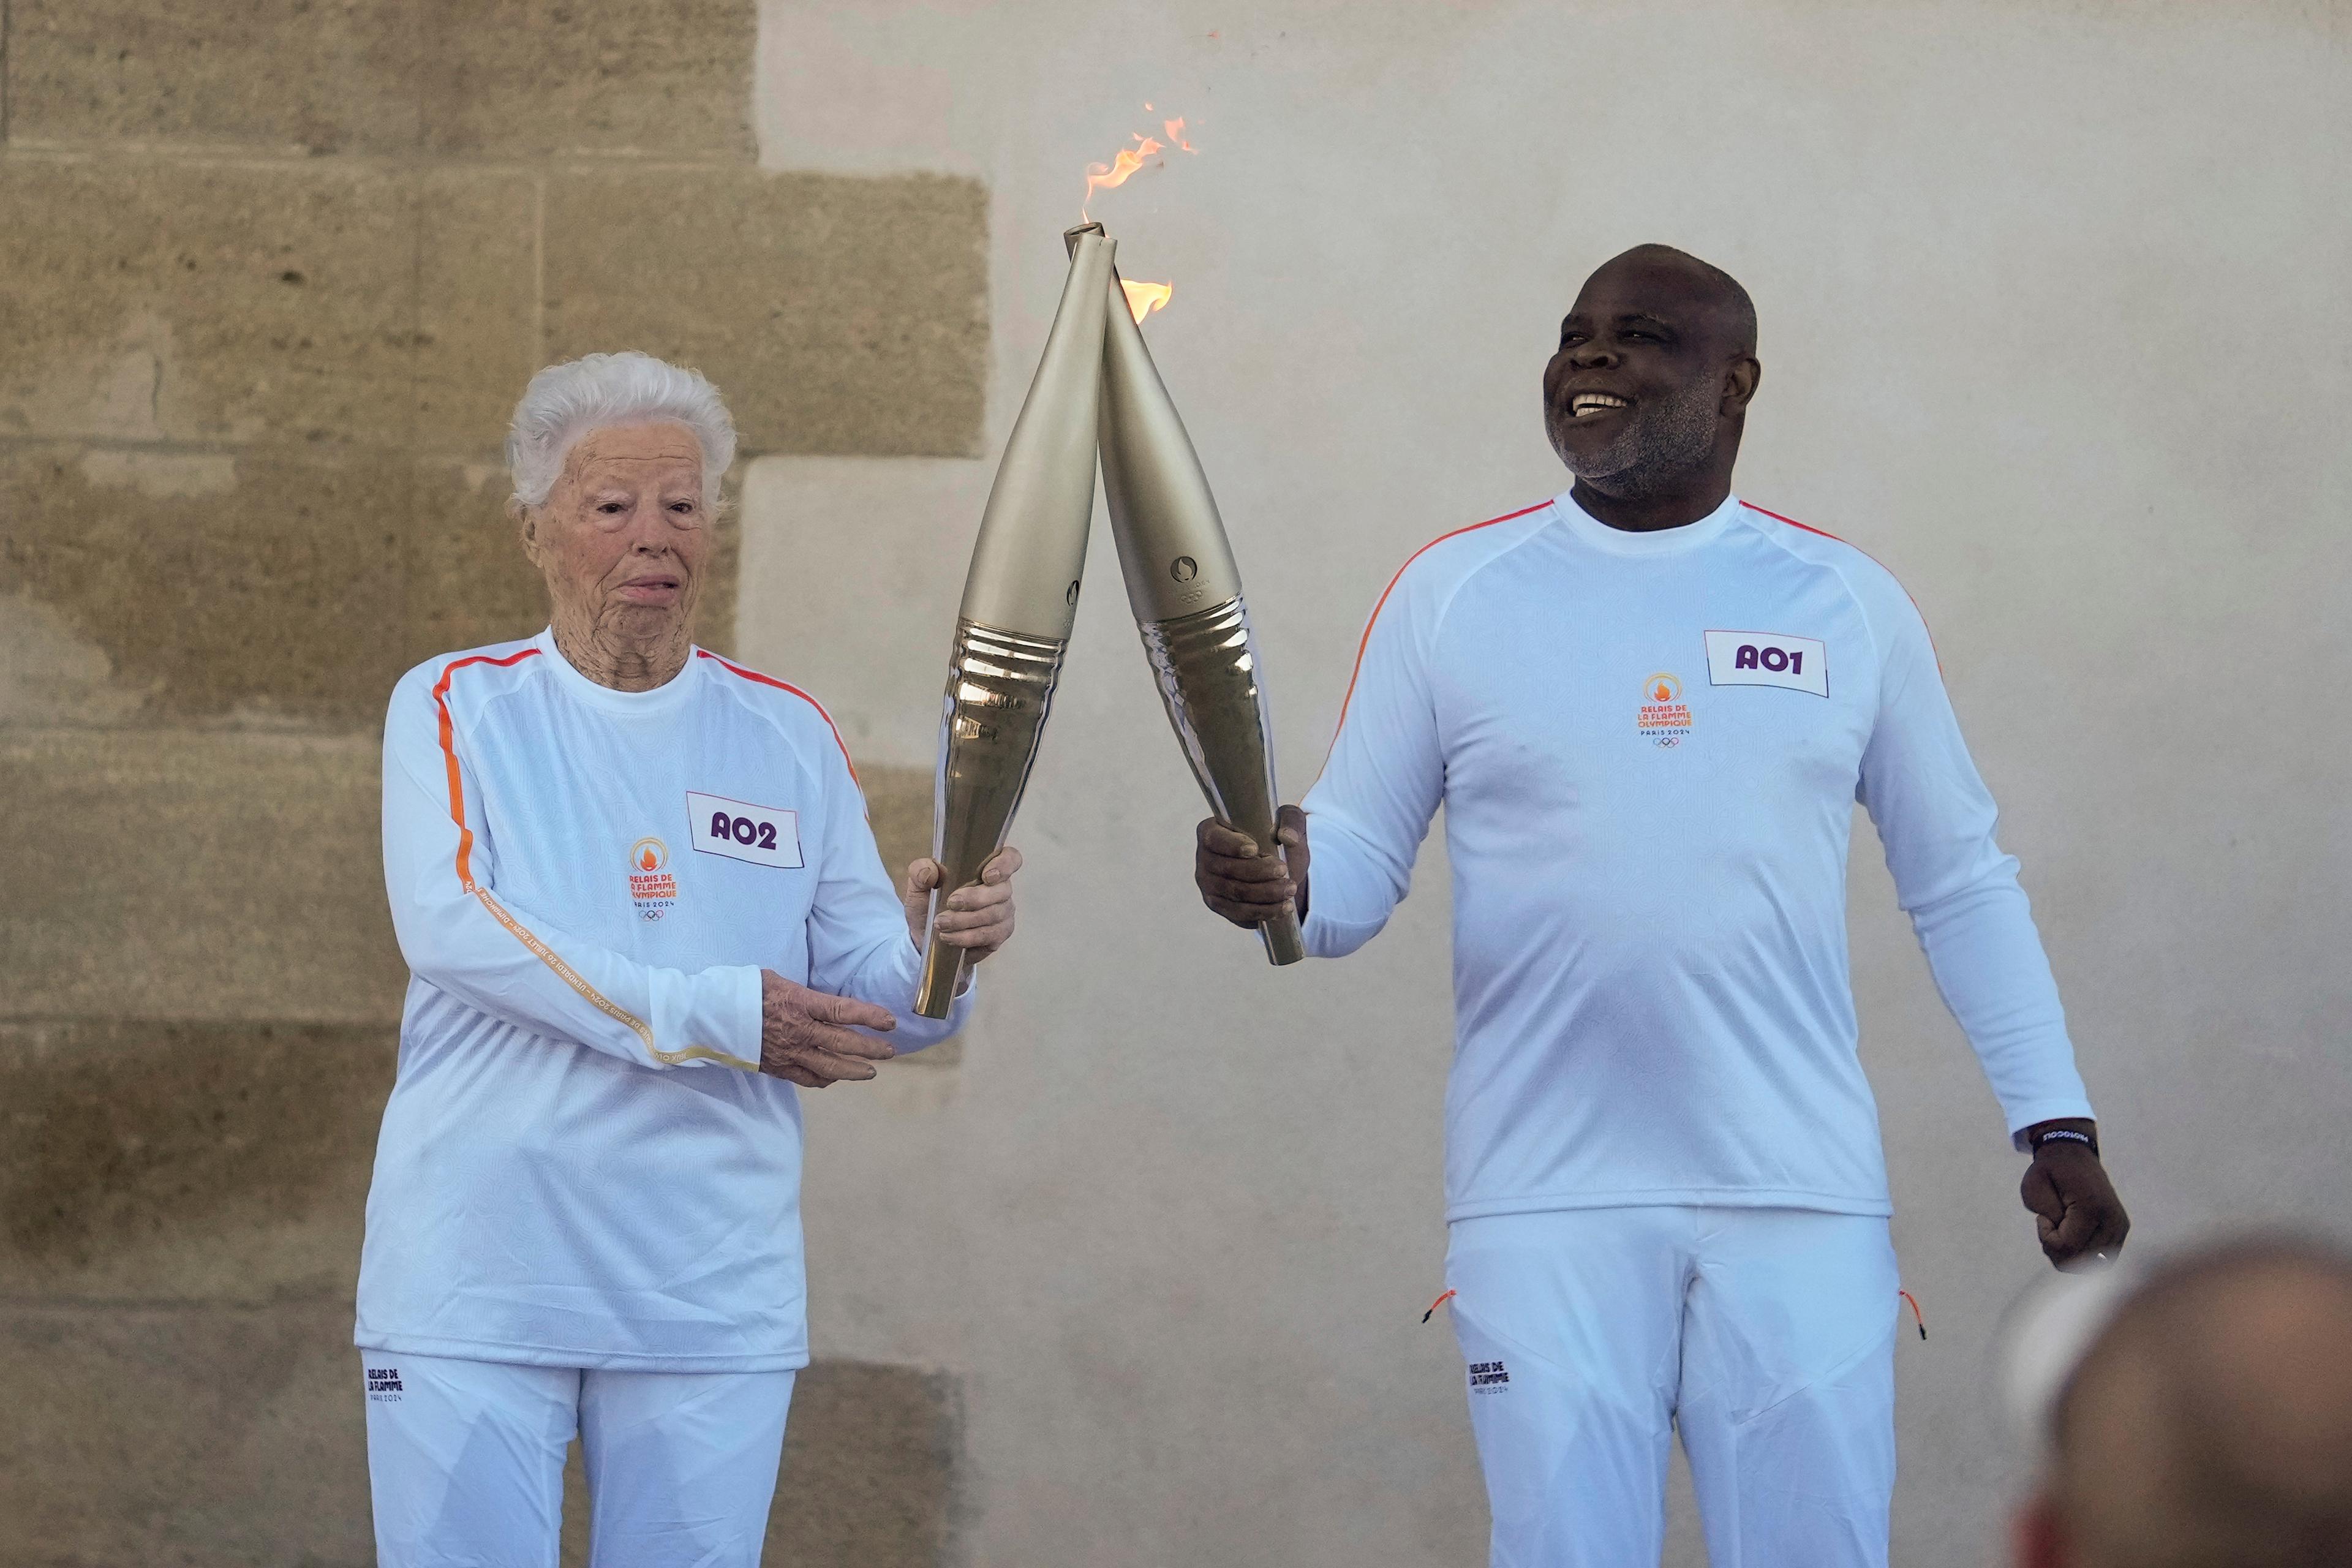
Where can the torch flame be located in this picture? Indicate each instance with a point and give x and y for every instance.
(1143, 298)
(1110, 175)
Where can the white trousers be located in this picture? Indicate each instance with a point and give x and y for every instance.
(466, 1461)
(1766, 1336)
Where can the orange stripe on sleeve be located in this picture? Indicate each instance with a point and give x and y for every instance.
(449, 756)
(515, 928)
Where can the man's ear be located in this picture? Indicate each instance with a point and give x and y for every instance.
(1740, 382)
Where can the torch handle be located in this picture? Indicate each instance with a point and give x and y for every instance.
(943, 966)
(1285, 943)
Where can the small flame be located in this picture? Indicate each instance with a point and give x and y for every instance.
(1110, 175)
(649, 862)
(1143, 298)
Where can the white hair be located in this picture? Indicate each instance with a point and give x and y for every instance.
(595, 391)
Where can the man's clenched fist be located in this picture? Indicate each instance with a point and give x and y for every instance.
(2076, 1208)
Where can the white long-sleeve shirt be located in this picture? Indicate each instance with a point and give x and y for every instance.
(1648, 746)
(580, 1164)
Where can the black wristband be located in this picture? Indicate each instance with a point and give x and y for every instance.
(2049, 1135)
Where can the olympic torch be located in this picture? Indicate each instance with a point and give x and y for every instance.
(1186, 594)
(1019, 600)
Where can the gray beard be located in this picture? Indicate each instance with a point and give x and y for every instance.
(1659, 445)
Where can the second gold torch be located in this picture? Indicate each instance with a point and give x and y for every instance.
(1019, 600)
(1186, 594)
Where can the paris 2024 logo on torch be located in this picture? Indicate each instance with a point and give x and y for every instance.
(652, 887)
(1664, 718)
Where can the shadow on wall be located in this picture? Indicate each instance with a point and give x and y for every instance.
(275, 281)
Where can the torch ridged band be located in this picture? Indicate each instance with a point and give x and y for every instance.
(1206, 666)
(993, 714)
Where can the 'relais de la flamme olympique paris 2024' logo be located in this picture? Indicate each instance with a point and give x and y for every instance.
(1663, 719)
(652, 887)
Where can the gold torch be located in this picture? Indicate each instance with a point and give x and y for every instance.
(1019, 600)
(1186, 594)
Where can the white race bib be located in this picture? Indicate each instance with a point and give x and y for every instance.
(762, 834)
(1767, 659)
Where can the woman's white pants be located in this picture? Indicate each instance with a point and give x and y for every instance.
(1766, 1336)
(466, 1461)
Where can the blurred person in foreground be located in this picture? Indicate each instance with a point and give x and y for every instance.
(643, 910)
(1648, 708)
(2209, 1423)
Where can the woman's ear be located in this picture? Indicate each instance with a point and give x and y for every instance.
(527, 522)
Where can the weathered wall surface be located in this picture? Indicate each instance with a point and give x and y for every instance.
(2053, 323)
(271, 277)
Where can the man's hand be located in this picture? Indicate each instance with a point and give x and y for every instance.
(2074, 1206)
(1246, 884)
(805, 1037)
(978, 918)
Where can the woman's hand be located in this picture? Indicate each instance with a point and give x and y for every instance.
(805, 1037)
(978, 918)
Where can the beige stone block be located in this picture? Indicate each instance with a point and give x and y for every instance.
(500, 76)
(267, 582)
(208, 1436)
(464, 579)
(898, 805)
(325, 75)
(477, 305)
(266, 585)
(214, 875)
(870, 1456)
(51, 673)
(159, 300)
(528, 77)
(188, 1162)
(837, 315)
(190, 1435)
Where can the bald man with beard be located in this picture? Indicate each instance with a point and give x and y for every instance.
(2209, 1425)
(1648, 708)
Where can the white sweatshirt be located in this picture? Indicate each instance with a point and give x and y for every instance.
(580, 1164)
(1648, 746)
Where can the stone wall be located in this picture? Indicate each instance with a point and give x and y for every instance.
(274, 275)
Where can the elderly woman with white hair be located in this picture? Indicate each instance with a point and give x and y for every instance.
(643, 910)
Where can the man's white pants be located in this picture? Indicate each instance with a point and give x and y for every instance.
(1766, 1336)
(466, 1459)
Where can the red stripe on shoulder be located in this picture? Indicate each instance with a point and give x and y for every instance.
(449, 755)
(753, 675)
(1874, 560)
(1793, 522)
(1381, 604)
